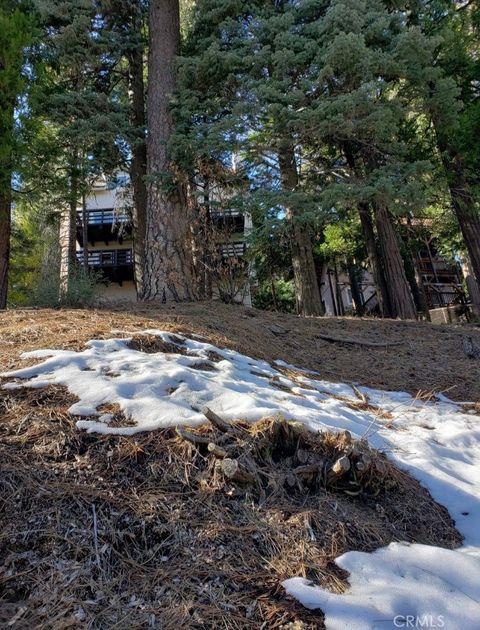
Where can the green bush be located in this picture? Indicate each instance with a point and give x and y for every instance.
(81, 291)
(284, 296)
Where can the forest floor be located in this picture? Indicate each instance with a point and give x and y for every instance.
(107, 531)
(422, 357)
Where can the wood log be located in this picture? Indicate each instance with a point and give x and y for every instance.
(192, 437)
(216, 450)
(302, 455)
(360, 342)
(341, 466)
(215, 419)
(309, 469)
(232, 470)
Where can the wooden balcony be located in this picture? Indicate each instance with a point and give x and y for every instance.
(229, 220)
(115, 265)
(440, 295)
(104, 225)
(438, 265)
(232, 250)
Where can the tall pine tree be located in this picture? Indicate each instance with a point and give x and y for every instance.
(168, 273)
(15, 35)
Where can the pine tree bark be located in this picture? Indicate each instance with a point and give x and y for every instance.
(464, 205)
(305, 276)
(357, 296)
(370, 240)
(5, 224)
(72, 226)
(374, 260)
(138, 168)
(400, 296)
(168, 269)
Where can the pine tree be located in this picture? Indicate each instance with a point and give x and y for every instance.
(240, 85)
(125, 35)
(441, 58)
(168, 273)
(78, 102)
(359, 115)
(16, 31)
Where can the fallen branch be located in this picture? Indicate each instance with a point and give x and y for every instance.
(216, 450)
(232, 470)
(215, 419)
(363, 397)
(360, 342)
(192, 437)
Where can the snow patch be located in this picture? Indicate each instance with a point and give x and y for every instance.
(398, 585)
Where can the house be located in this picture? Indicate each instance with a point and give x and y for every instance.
(104, 232)
(440, 281)
(336, 291)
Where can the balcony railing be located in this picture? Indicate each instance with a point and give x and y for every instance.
(444, 295)
(438, 266)
(232, 250)
(228, 220)
(108, 258)
(104, 216)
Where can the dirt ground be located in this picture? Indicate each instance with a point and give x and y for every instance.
(114, 532)
(422, 358)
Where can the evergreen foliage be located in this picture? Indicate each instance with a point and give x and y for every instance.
(334, 123)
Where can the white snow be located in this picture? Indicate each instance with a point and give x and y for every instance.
(399, 586)
(424, 586)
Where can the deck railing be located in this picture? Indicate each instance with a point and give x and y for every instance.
(439, 296)
(108, 258)
(104, 216)
(232, 250)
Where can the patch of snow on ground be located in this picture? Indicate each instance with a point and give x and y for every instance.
(399, 586)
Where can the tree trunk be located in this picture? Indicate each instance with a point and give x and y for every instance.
(138, 168)
(472, 287)
(401, 299)
(68, 230)
(357, 297)
(305, 275)
(168, 270)
(340, 307)
(5, 221)
(464, 204)
(370, 241)
(374, 260)
(85, 233)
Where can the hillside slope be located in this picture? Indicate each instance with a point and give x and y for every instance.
(213, 526)
(421, 358)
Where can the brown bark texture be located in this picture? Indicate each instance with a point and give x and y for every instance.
(374, 260)
(305, 276)
(401, 299)
(168, 270)
(5, 222)
(138, 168)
